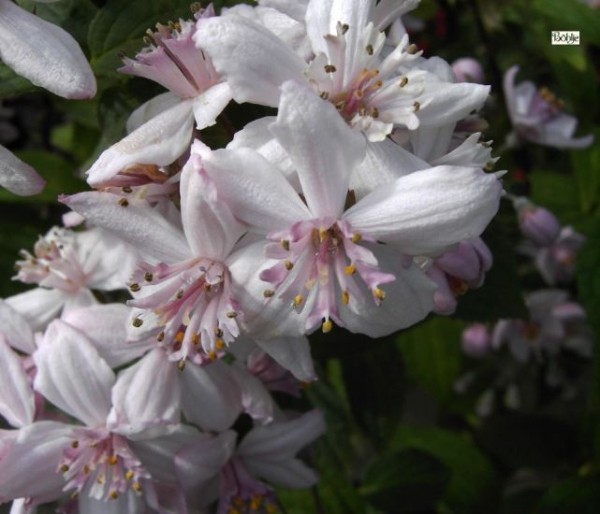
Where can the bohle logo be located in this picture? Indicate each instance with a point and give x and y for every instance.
(565, 37)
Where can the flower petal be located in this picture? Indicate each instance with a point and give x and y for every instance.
(17, 404)
(323, 149)
(145, 398)
(18, 177)
(256, 191)
(160, 141)
(137, 224)
(44, 53)
(428, 210)
(15, 329)
(38, 306)
(72, 375)
(254, 61)
(210, 104)
(150, 109)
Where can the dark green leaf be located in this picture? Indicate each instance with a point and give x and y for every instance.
(574, 16)
(405, 481)
(12, 84)
(576, 495)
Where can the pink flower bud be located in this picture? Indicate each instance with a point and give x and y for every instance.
(468, 69)
(476, 340)
(538, 224)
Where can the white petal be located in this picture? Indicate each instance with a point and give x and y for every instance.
(15, 329)
(38, 306)
(384, 162)
(30, 461)
(160, 141)
(44, 53)
(429, 209)
(150, 109)
(107, 326)
(256, 191)
(254, 61)
(18, 177)
(137, 224)
(211, 396)
(257, 402)
(408, 300)
(317, 24)
(293, 353)
(208, 222)
(323, 149)
(72, 375)
(16, 396)
(146, 397)
(210, 104)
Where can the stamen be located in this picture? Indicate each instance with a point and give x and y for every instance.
(330, 68)
(127, 189)
(135, 287)
(324, 95)
(369, 49)
(345, 297)
(344, 28)
(129, 475)
(412, 49)
(137, 322)
(123, 202)
(298, 299)
(350, 269)
(327, 326)
(356, 238)
(416, 106)
(148, 277)
(285, 244)
(379, 293)
(288, 265)
(268, 293)
(403, 81)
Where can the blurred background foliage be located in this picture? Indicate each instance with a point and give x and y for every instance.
(403, 435)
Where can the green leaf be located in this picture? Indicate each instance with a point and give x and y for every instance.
(571, 16)
(473, 482)
(500, 296)
(432, 354)
(405, 481)
(575, 495)
(12, 84)
(522, 440)
(558, 193)
(586, 164)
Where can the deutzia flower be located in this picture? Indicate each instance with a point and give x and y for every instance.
(18, 177)
(333, 263)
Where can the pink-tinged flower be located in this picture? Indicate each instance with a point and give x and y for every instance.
(97, 460)
(183, 291)
(372, 92)
(476, 340)
(554, 323)
(44, 53)
(537, 115)
(333, 264)
(18, 177)
(537, 223)
(67, 265)
(468, 69)
(557, 262)
(265, 453)
(457, 271)
(161, 129)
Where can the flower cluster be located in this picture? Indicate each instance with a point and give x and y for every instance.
(359, 204)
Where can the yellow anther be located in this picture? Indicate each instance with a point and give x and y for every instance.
(195, 339)
(327, 326)
(345, 297)
(179, 336)
(148, 277)
(231, 314)
(285, 244)
(129, 474)
(137, 322)
(181, 365)
(64, 468)
(212, 355)
(255, 502)
(160, 337)
(375, 112)
(219, 344)
(75, 444)
(135, 287)
(403, 81)
(268, 293)
(112, 460)
(136, 487)
(356, 238)
(114, 495)
(412, 49)
(288, 265)
(100, 479)
(322, 234)
(123, 202)
(489, 166)
(379, 293)
(298, 299)
(350, 269)
(207, 288)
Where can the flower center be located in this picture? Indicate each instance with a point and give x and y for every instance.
(194, 304)
(241, 493)
(54, 262)
(320, 266)
(102, 463)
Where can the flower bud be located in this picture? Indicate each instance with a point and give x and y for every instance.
(476, 340)
(468, 69)
(537, 223)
